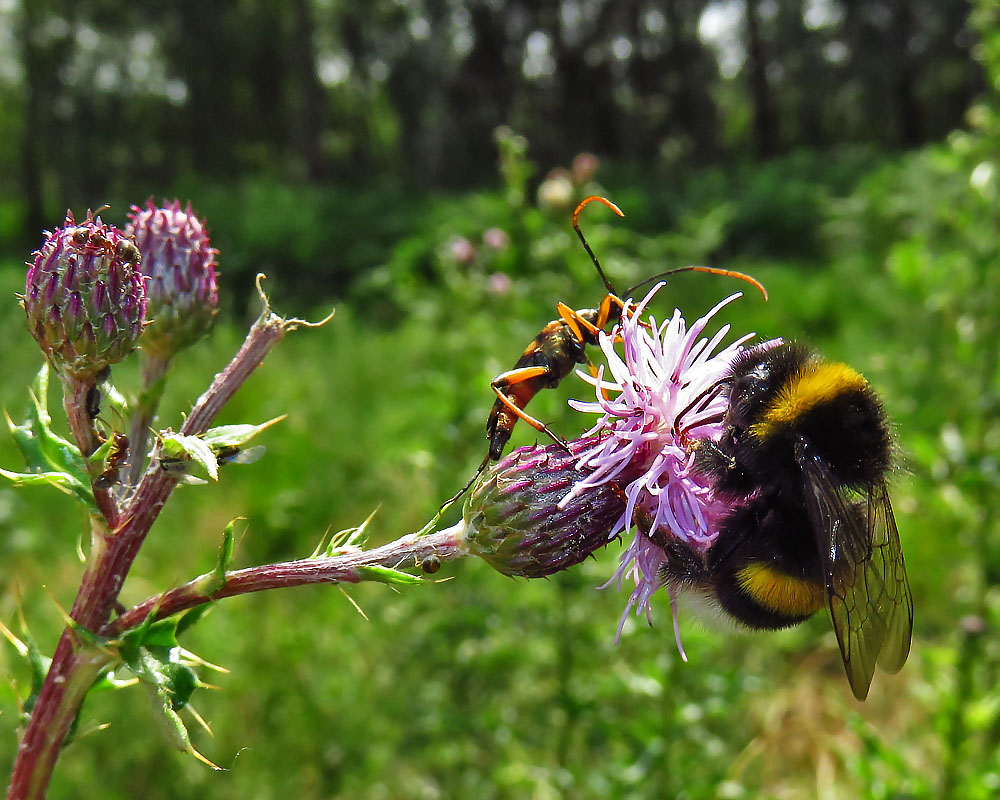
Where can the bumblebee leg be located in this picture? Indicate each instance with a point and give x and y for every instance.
(510, 380)
(710, 459)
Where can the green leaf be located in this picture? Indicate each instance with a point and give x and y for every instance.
(175, 682)
(60, 480)
(116, 401)
(39, 665)
(224, 560)
(50, 459)
(58, 453)
(171, 725)
(236, 435)
(190, 618)
(345, 541)
(44, 450)
(130, 645)
(388, 575)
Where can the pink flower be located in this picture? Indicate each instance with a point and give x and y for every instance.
(661, 398)
(461, 249)
(499, 283)
(496, 238)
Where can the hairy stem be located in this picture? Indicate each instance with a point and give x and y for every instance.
(345, 567)
(74, 670)
(85, 435)
(154, 372)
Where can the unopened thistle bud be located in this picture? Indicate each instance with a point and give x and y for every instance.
(85, 296)
(180, 262)
(514, 521)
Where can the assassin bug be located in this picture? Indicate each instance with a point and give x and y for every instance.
(561, 345)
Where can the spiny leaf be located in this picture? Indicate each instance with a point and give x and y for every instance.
(61, 480)
(225, 558)
(116, 401)
(388, 575)
(236, 435)
(58, 453)
(172, 726)
(191, 617)
(348, 539)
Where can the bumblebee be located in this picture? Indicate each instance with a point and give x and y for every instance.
(803, 462)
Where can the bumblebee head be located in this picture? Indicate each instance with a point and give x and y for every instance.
(757, 376)
(781, 394)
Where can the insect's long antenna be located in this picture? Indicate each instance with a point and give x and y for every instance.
(711, 270)
(576, 227)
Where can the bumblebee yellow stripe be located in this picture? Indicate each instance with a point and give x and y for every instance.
(775, 591)
(814, 385)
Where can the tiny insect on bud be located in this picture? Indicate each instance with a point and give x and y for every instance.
(84, 296)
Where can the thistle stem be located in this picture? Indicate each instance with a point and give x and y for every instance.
(111, 558)
(347, 567)
(85, 435)
(154, 371)
(74, 670)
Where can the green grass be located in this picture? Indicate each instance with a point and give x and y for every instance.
(484, 686)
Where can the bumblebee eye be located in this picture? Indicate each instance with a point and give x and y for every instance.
(750, 387)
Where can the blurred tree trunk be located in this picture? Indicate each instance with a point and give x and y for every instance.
(351, 24)
(909, 125)
(480, 97)
(806, 74)
(691, 68)
(765, 126)
(201, 50)
(34, 124)
(311, 111)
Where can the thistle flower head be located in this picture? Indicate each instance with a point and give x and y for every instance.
(514, 519)
(180, 262)
(84, 296)
(658, 398)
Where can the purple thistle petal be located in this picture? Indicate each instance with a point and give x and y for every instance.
(641, 442)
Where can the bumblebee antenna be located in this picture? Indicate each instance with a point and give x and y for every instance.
(730, 273)
(576, 227)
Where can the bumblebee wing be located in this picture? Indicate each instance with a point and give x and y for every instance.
(898, 599)
(866, 585)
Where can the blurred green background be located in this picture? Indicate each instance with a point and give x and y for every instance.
(414, 163)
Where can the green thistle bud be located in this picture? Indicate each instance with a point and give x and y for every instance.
(180, 262)
(513, 520)
(85, 296)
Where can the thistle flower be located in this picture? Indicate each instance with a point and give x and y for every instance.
(662, 400)
(514, 520)
(180, 262)
(84, 296)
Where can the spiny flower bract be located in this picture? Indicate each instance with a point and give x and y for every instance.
(84, 296)
(180, 262)
(515, 522)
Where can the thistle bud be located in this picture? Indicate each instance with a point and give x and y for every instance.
(514, 522)
(180, 262)
(85, 296)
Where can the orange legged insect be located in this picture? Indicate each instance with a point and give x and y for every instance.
(561, 345)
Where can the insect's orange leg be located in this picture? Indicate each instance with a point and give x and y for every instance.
(512, 378)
